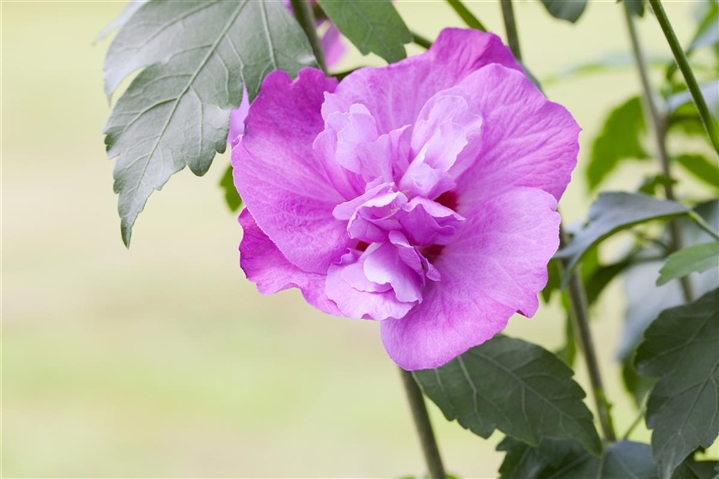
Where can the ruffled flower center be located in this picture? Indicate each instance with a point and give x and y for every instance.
(400, 208)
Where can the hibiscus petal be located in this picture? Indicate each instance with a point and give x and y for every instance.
(495, 266)
(534, 143)
(278, 177)
(394, 101)
(358, 297)
(264, 265)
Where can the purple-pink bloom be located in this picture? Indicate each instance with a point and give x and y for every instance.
(421, 194)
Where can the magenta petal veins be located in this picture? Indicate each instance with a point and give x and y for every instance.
(421, 194)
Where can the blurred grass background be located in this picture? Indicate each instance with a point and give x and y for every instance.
(164, 361)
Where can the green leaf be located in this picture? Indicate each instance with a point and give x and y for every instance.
(613, 212)
(619, 140)
(232, 198)
(700, 167)
(526, 462)
(681, 347)
(372, 26)
(514, 386)
(650, 184)
(697, 258)
(176, 112)
(562, 459)
(623, 459)
(564, 10)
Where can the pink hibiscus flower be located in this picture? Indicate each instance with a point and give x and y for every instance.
(421, 194)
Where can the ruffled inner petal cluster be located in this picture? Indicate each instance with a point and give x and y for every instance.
(421, 194)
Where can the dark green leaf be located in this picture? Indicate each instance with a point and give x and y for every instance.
(527, 462)
(602, 277)
(621, 460)
(372, 26)
(562, 459)
(514, 386)
(232, 198)
(553, 277)
(681, 347)
(697, 258)
(176, 112)
(613, 212)
(700, 167)
(619, 140)
(564, 10)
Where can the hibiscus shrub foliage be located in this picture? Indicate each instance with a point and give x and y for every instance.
(424, 194)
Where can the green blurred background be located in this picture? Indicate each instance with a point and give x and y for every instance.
(164, 361)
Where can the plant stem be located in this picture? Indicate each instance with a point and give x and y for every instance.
(658, 124)
(466, 15)
(579, 311)
(687, 72)
(421, 41)
(636, 422)
(424, 426)
(306, 18)
(510, 25)
(580, 316)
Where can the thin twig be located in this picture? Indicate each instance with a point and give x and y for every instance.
(466, 15)
(424, 426)
(658, 124)
(686, 69)
(510, 25)
(580, 315)
(306, 18)
(421, 41)
(577, 296)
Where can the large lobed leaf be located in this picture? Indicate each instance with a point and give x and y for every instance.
(197, 55)
(645, 300)
(681, 347)
(562, 459)
(613, 212)
(514, 386)
(373, 26)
